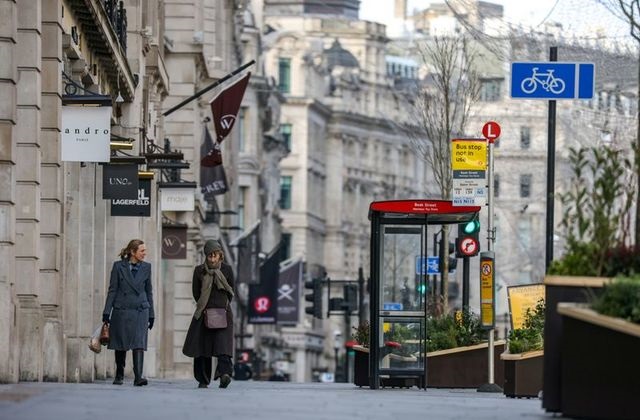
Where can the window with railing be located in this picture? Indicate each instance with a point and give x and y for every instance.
(117, 15)
(286, 245)
(525, 137)
(284, 75)
(490, 90)
(285, 130)
(285, 192)
(525, 185)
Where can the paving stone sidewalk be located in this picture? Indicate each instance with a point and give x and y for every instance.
(181, 400)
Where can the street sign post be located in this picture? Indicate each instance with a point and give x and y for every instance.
(469, 164)
(552, 80)
(491, 131)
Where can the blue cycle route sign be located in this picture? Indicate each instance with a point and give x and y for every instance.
(427, 265)
(552, 80)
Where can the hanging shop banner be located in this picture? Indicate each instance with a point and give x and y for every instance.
(174, 243)
(248, 245)
(86, 133)
(289, 283)
(177, 199)
(138, 207)
(120, 181)
(523, 298)
(225, 107)
(263, 302)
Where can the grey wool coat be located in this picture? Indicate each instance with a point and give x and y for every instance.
(130, 303)
(200, 340)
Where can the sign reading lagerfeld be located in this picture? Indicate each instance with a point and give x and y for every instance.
(120, 181)
(86, 133)
(138, 207)
(177, 199)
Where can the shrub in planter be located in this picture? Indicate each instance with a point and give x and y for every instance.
(530, 337)
(361, 334)
(457, 330)
(620, 299)
(600, 353)
(524, 360)
(596, 228)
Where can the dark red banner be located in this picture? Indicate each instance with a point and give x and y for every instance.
(225, 107)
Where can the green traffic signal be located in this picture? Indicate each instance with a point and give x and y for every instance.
(472, 226)
(422, 288)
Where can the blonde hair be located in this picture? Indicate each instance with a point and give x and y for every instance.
(132, 246)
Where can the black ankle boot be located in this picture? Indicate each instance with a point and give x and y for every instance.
(121, 357)
(138, 362)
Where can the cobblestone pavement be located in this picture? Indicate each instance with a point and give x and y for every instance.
(181, 400)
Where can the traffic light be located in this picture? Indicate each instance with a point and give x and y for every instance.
(421, 286)
(350, 292)
(468, 241)
(315, 297)
(453, 262)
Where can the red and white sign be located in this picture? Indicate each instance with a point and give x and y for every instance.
(468, 246)
(491, 131)
(262, 304)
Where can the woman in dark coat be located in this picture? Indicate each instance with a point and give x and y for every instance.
(129, 309)
(212, 287)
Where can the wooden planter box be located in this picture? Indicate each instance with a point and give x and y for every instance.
(460, 367)
(600, 365)
(523, 374)
(464, 367)
(361, 372)
(560, 289)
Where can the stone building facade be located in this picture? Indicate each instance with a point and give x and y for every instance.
(332, 70)
(58, 238)
(205, 41)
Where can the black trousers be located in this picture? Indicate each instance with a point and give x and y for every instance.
(202, 368)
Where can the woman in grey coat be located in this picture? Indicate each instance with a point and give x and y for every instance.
(212, 288)
(129, 309)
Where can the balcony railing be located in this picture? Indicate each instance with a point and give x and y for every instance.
(117, 15)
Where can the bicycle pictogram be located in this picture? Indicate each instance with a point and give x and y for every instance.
(546, 79)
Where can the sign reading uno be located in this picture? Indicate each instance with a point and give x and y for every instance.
(86, 134)
(177, 199)
(120, 181)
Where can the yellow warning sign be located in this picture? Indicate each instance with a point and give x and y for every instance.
(469, 155)
(487, 292)
(522, 298)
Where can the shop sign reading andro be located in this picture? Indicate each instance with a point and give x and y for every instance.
(86, 134)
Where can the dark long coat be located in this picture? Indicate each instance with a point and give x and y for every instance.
(130, 303)
(200, 340)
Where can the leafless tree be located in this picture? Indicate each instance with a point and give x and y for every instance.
(441, 109)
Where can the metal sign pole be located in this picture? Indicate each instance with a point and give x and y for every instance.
(490, 386)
